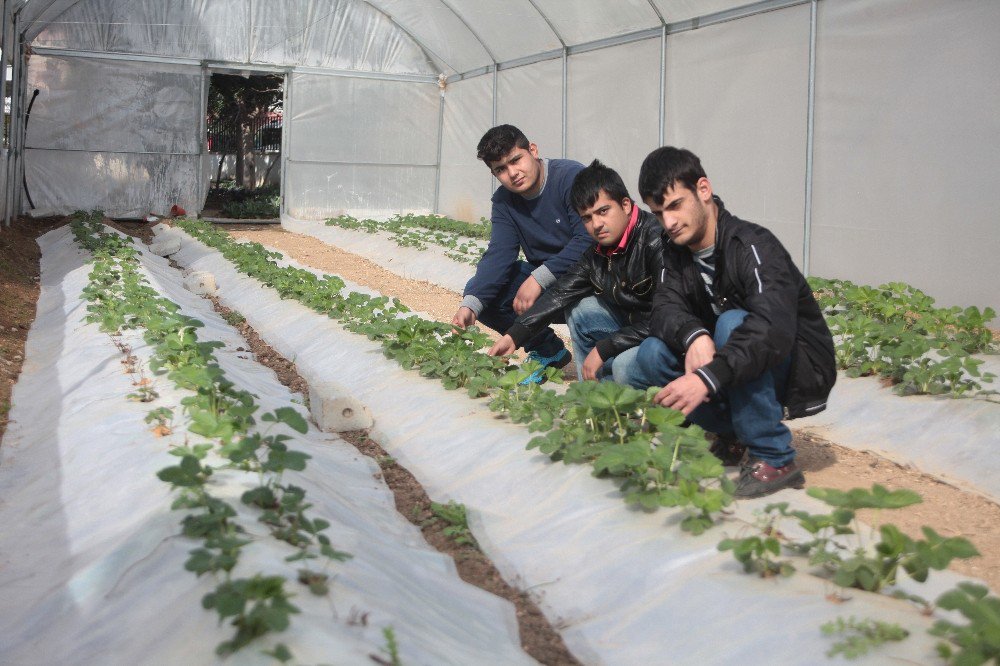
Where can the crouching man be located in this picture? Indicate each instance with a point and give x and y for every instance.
(740, 342)
(531, 213)
(607, 295)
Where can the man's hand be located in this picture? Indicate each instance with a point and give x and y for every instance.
(683, 394)
(463, 318)
(527, 295)
(503, 346)
(592, 364)
(700, 353)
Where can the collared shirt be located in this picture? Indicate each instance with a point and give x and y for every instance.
(633, 219)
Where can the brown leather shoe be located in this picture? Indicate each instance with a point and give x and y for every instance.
(728, 449)
(758, 479)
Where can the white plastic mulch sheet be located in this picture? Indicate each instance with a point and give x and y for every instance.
(429, 264)
(942, 436)
(625, 586)
(91, 557)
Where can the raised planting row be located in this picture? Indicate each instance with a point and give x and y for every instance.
(120, 298)
(615, 428)
(894, 331)
(851, 562)
(225, 435)
(462, 241)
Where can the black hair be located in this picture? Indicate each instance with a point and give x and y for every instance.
(593, 179)
(666, 166)
(498, 141)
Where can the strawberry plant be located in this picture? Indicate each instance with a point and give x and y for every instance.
(219, 412)
(460, 239)
(615, 428)
(894, 331)
(860, 636)
(978, 641)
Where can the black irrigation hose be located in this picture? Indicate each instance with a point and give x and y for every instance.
(24, 173)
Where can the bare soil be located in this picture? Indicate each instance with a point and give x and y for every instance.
(948, 510)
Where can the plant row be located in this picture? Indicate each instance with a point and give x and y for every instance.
(617, 429)
(121, 299)
(839, 548)
(461, 240)
(894, 331)
(656, 460)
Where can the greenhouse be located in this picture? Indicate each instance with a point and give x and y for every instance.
(265, 439)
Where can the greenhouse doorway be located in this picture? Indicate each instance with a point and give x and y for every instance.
(244, 121)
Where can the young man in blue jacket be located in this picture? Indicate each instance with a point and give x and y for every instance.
(740, 342)
(531, 213)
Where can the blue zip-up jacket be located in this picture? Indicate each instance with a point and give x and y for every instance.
(546, 228)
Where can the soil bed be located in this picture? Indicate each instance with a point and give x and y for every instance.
(947, 509)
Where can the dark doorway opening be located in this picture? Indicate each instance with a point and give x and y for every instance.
(244, 128)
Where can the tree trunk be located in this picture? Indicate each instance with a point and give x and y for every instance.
(218, 173)
(248, 173)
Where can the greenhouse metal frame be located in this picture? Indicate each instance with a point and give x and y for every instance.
(860, 131)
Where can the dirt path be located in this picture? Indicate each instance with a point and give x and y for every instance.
(949, 510)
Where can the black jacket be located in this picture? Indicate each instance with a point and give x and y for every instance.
(625, 281)
(753, 272)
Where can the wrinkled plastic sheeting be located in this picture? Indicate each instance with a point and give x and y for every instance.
(956, 439)
(113, 105)
(121, 184)
(199, 29)
(757, 66)
(341, 35)
(885, 102)
(318, 33)
(113, 135)
(626, 585)
(90, 552)
(465, 182)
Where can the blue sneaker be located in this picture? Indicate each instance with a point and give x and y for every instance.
(558, 360)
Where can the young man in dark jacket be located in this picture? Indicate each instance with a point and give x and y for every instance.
(607, 295)
(531, 213)
(740, 342)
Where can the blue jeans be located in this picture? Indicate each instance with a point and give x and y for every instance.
(752, 411)
(500, 314)
(590, 321)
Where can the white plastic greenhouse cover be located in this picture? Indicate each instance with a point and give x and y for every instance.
(860, 131)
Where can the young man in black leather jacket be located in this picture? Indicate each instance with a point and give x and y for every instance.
(740, 342)
(607, 295)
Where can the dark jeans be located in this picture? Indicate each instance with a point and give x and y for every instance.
(500, 314)
(752, 410)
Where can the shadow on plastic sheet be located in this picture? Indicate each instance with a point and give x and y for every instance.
(34, 534)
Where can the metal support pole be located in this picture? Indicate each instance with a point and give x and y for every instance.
(12, 133)
(440, 141)
(203, 140)
(810, 131)
(22, 85)
(663, 84)
(565, 102)
(4, 140)
(286, 143)
(496, 94)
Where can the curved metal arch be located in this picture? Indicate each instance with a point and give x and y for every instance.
(549, 23)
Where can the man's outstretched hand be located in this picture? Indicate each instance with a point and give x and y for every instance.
(503, 347)
(683, 394)
(463, 318)
(592, 364)
(526, 296)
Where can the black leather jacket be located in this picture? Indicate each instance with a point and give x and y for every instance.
(753, 272)
(625, 281)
